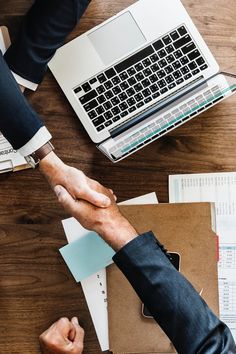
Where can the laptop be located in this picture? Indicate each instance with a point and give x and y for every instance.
(138, 75)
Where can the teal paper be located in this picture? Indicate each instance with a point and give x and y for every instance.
(87, 256)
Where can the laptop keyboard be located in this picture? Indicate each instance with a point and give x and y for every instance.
(166, 122)
(141, 78)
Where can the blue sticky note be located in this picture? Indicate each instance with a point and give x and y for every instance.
(87, 255)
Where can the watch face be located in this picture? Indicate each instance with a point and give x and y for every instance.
(30, 160)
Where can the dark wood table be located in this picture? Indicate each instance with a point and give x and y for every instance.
(36, 286)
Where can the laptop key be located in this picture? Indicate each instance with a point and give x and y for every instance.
(132, 109)
(115, 110)
(107, 105)
(158, 45)
(170, 49)
(124, 76)
(109, 94)
(101, 78)
(156, 95)
(139, 67)
(146, 92)
(131, 71)
(164, 90)
(98, 121)
(195, 72)
(161, 83)
(154, 88)
(124, 114)
(130, 92)
(109, 122)
(161, 74)
(93, 80)
(167, 40)
(91, 105)
(147, 100)
(154, 58)
(184, 70)
(101, 127)
(177, 74)
(116, 90)
(100, 89)
(140, 104)
(138, 97)
(170, 58)
(116, 119)
(200, 61)
(174, 35)
(123, 106)
(162, 53)
(188, 48)
(78, 89)
(132, 81)
(182, 41)
(155, 67)
(139, 77)
(170, 79)
(169, 69)
(203, 67)
(108, 115)
(153, 78)
(124, 85)
(108, 85)
(146, 83)
(176, 65)
(89, 96)
(146, 62)
(110, 73)
(193, 55)
(182, 30)
(92, 114)
(131, 101)
(171, 86)
(192, 65)
(99, 110)
(186, 77)
(101, 99)
(162, 63)
(122, 96)
(86, 87)
(184, 60)
(147, 72)
(178, 54)
(115, 80)
(138, 87)
(115, 101)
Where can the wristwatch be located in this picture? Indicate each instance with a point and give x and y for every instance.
(34, 158)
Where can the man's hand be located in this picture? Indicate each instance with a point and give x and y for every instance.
(74, 181)
(108, 222)
(63, 337)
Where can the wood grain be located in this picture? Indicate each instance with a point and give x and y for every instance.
(36, 287)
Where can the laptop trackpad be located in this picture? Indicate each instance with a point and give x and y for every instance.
(116, 38)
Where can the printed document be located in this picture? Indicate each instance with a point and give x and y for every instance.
(95, 286)
(221, 189)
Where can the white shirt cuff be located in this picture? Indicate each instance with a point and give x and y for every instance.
(39, 139)
(26, 83)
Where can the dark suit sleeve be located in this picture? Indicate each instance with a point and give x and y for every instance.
(18, 121)
(173, 302)
(43, 31)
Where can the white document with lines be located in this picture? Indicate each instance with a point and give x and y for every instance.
(10, 160)
(221, 189)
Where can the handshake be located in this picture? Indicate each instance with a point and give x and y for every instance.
(94, 206)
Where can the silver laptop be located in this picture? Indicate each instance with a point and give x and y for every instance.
(139, 75)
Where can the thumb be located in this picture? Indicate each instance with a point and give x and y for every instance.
(66, 199)
(95, 198)
(79, 332)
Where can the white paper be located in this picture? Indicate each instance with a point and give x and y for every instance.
(9, 158)
(221, 189)
(95, 287)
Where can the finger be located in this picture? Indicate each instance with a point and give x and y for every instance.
(95, 198)
(79, 336)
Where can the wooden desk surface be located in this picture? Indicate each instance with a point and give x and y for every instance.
(36, 288)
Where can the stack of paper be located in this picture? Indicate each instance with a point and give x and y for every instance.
(221, 189)
(95, 287)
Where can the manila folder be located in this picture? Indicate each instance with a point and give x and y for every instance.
(182, 228)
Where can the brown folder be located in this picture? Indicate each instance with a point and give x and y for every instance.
(182, 228)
